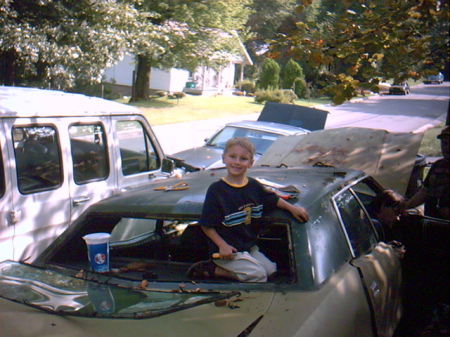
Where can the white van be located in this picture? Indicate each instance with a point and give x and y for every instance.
(60, 153)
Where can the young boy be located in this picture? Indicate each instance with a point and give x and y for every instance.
(231, 204)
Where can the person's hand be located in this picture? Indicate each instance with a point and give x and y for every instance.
(300, 214)
(399, 248)
(226, 252)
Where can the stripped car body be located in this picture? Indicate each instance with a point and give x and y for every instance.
(335, 275)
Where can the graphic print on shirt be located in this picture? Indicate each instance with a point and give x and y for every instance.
(244, 216)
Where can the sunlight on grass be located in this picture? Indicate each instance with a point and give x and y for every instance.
(163, 110)
(431, 146)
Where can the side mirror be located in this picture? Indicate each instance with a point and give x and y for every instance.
(167, 166)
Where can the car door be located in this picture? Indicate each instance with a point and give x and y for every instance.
(377, 263)
(40, 206)
(427, 238)
(90, 159)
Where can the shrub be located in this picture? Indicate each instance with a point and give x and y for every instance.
(301, 89)
(161, 93)
(292, 73)
(270, 74)
(177, 95)
(275, 95)
(246, 85)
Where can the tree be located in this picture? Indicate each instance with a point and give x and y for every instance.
(186, 34)
(270, 75)
(268, 18)
(58, 44)
(357, 44)
(292, 71)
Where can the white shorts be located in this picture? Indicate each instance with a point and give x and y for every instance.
(251, 266)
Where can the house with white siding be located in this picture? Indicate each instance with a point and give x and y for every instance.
(204, 81)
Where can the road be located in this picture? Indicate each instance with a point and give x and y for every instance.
(424, 107)
(426, 104)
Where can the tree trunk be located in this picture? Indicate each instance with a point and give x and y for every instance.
(142, 82)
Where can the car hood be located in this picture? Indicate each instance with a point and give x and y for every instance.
(387, 156)
(54, 304)
(203, 157)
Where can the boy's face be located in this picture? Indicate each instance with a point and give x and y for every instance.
(237, 160)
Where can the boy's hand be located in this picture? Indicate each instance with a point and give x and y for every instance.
(226, 252)
(297, 212)
(300, 214)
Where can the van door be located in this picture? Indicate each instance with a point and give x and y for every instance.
(5, 190)
(138, 154)
(90, 159)
(40, 208)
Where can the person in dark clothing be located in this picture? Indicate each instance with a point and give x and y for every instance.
(233, 205)
(385, 210)
(435, 192)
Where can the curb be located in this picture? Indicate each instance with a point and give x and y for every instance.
(431, 124)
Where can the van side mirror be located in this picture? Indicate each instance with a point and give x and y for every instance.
(167, 166)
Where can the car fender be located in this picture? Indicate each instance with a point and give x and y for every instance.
(339, 308)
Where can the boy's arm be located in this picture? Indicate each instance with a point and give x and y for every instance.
(225, 250)
(297, 212)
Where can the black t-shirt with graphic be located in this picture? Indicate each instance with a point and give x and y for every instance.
(234, 212)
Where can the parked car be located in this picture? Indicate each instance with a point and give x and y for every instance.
(383, 87)
(60, 153)
(430, 79)
(335, 275)
(262, 134)
(399, 89)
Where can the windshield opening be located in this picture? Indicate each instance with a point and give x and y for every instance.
(163, 249)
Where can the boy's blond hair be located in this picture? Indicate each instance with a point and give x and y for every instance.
(243, 142)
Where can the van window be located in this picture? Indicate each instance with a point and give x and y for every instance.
(358, 227)
(89, 152)
(136, 149)
(38, 158)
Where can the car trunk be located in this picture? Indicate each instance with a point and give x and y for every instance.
(295, 115)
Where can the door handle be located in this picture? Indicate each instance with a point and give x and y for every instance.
(81, 200)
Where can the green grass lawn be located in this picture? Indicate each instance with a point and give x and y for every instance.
(163, 110)
(431, 146)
